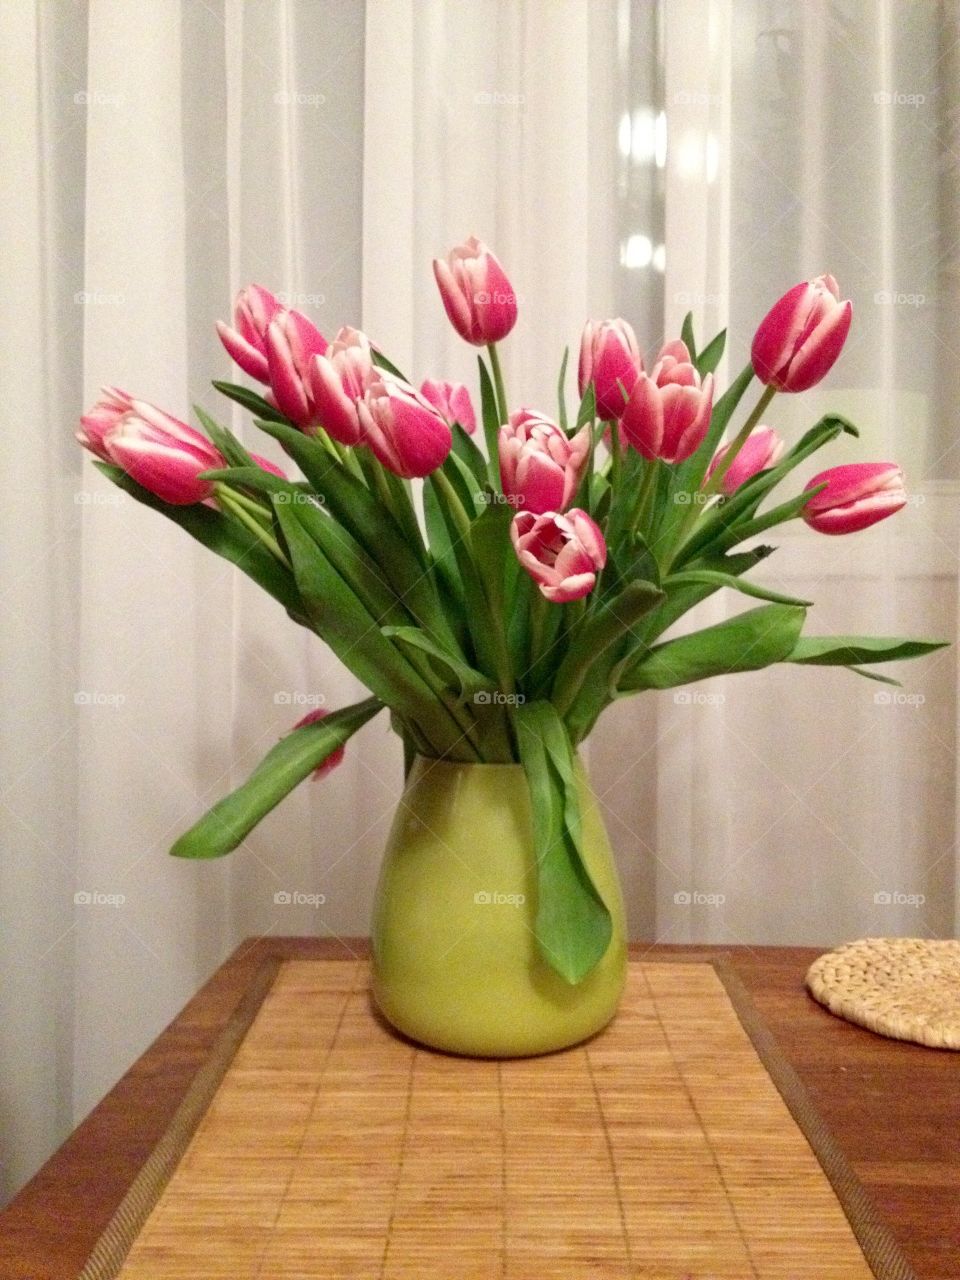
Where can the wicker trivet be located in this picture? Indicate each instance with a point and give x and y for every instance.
(904, 988)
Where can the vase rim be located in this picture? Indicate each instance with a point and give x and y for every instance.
(434, 761)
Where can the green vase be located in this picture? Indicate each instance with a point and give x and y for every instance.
(455, 962)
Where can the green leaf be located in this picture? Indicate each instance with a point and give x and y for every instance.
(716, 578)
(588, 408)
(251, 400)
(573, 925)
(844, 651)
(491, 424)
(599, 631)
(294, 758)
(686, 335)
(561, 390)
(470, 680)
(228, 444)
(466, 450)
(747, 642)
(381, 361)
(711, 355)
(222, 535)
(341, 619)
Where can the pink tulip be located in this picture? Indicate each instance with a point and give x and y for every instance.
(668, 410)
(857, 495)
(477, 296)
(267, 465)
(246, 342)
(452, 402)
(162, 454)
(339, 380)
(609, 357)
(403, 429)
(540, 467)
(762, 448)
(103, 417)
(335, 757)
(802, 335)
(562, 553)
(292, 342)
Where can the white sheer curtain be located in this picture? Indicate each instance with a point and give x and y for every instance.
(623, 157)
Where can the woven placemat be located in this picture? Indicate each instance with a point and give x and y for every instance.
(904, 988)
(676, 1145)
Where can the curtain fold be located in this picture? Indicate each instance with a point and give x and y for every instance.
(625, 157)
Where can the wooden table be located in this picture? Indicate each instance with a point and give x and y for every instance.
(894, 1108)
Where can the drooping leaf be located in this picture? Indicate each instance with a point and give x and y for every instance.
(469, 680)
(747, 642)
(573, 924)
(713, 577)
(294, 758)
(844, 651)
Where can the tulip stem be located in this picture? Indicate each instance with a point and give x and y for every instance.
(713, 484)
(498, 386)
(647, 488)
(227, 500)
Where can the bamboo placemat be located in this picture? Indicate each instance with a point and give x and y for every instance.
(316, 1143)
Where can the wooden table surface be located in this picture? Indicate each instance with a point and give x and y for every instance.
(894, 1108)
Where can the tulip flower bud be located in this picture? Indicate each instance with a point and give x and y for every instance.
(103, 417)
(802, 335)
(339, 380)
(611, 360)
(246, 342)
(334, 758)
(452, 401)
(540, 466)
(668, 411)
(762, 448)
(403, 430)
(857, 495)
(162, 454)
(292, 342)
(562, 553)
(477, 296)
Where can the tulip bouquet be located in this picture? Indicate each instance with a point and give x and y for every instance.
(497, 609)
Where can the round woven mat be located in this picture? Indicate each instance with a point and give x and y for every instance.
(905, 988)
